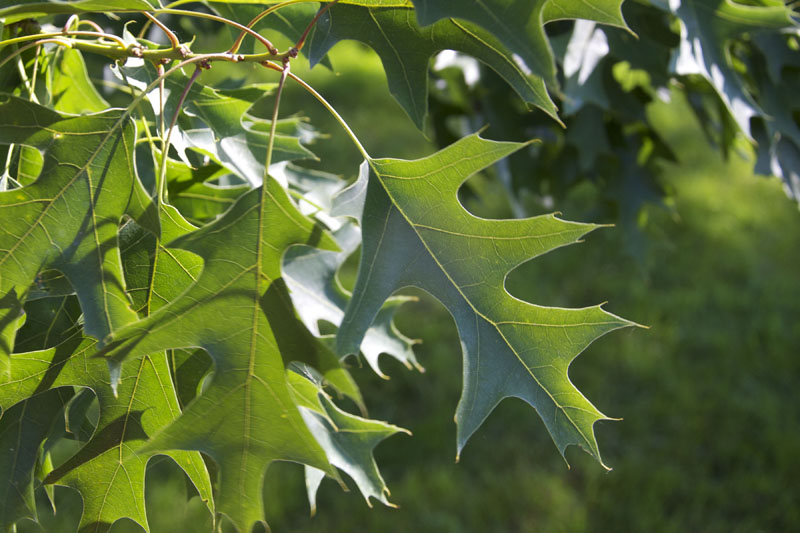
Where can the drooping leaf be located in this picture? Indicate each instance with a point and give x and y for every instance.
(707, 26)
(416, 233)
(23, 428)
(68, 218)
(405, 50)
(317, 294)
(520, 25)
(347, 439)
(238, 310)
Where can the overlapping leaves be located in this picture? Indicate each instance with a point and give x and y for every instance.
(157, 293)
(88, 162)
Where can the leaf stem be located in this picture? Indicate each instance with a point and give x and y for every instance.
(170, 35)
(162, 171)
(326, 104)
(270, 144)
(23, 75)
(263, 40)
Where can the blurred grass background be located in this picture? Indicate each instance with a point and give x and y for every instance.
(710, 439)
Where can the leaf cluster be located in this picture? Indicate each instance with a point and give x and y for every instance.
(167, 263)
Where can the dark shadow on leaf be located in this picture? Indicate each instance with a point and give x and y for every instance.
(107, 438)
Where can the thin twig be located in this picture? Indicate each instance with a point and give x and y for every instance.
(70, 21)
(171, 36)
(91, 24)
(238, 42)
(274, 66)
(263, 40)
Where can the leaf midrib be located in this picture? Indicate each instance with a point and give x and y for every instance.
(478, 313)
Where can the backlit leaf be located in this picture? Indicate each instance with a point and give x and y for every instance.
(416, 233)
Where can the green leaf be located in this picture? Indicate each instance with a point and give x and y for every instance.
(32, 9)
(405, 50)
(348, 440)
(238, 310)
(70, 87)
(23, 428)
(707, 26)
(311, 274)
(416, 233)
(67, 220)
(109, 470)
(520, 25)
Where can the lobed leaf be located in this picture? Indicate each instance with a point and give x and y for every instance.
(239, 312)
(416, 233)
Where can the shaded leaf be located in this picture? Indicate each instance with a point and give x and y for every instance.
(348, 440)
(707, 26)
(520, 25)
(23, 428)
(23, 9)
(405, 50)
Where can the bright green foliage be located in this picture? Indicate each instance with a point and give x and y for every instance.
(239, 312)
(169, 271)
(88, 161)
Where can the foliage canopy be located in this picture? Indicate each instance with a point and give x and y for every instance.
(166, 262)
